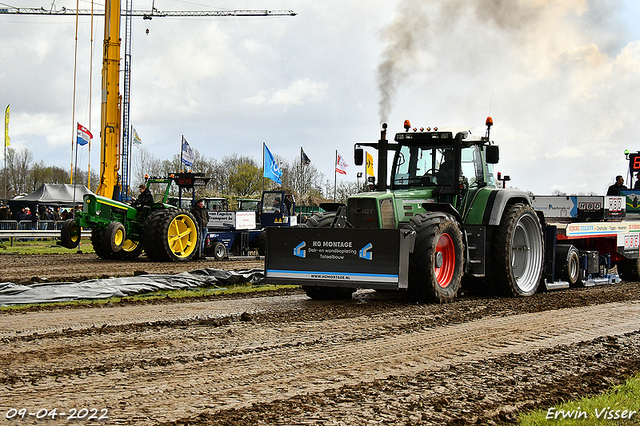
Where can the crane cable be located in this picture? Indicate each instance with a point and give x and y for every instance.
(90, 91)
(73, 112)
(73, 109)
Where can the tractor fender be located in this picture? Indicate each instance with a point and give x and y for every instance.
(498, 201)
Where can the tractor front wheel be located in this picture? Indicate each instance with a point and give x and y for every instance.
(70, 234)
(114, 237)
(436, 264)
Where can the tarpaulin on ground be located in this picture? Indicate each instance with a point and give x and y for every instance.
(17, 294)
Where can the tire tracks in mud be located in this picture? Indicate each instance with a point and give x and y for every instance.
(146, 372)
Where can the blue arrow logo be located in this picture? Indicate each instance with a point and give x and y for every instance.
(299, 250)
(365, 253)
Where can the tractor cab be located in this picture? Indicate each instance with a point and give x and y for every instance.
(443, 168)
(451, 163)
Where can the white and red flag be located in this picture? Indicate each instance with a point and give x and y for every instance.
(84, 135)
(341, 164)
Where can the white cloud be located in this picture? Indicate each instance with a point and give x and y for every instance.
(299, 92)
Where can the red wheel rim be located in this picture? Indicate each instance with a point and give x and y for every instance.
(445, 246)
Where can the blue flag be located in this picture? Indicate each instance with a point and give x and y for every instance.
(187, 153)
(271, 169)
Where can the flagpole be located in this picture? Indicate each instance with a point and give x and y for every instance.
(76, 168)
(6, 135)
(335, 176)
(181, 143)
(263, 144)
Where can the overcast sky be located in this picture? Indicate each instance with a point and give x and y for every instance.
(560, 79)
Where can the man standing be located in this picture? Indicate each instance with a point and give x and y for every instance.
(616, 187)
(202, 218)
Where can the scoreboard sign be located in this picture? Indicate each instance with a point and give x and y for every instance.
(634, 162)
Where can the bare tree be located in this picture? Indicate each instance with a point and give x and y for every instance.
(18, 167)
(304, 179)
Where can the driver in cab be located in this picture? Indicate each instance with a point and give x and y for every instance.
(446, 171)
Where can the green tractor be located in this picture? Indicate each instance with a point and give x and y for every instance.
(121, 231)
(441, 218)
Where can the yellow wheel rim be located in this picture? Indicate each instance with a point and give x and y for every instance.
(118, 238)
(182, 236)
(74, 234)
(129, 245)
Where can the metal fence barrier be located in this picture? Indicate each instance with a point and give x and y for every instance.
(29, 230)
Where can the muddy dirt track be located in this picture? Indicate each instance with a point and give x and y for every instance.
(284, 359)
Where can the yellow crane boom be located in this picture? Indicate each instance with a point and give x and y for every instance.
(111, 116)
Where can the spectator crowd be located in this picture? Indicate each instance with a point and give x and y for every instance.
(47, 213)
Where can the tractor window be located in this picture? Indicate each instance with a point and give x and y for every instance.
(248, 205)
(272, 202)
(215, 204)
(472, 165)
(423, 166)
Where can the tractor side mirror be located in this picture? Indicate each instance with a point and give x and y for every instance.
(358, 156)
(493, 154)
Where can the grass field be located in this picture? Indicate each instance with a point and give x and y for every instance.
(41, 246)
(619, 405)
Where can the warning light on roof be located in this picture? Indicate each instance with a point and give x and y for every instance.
(407, 125)
(489, 122)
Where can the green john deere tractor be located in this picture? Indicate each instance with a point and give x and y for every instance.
(441, 218)
(121, 231)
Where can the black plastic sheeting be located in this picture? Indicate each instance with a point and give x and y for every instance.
(17, 294)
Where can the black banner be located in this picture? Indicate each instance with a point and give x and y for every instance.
(368, 258)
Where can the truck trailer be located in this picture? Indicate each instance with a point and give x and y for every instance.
(443, 222)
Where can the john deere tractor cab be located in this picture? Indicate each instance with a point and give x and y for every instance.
(122, 231)
(439, 218)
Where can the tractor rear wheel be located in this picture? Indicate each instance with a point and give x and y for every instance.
(436, 264)
(99, 246)
(518, 251)
(171, 235)
(70, 234)
(324, 220)
(320, 220)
